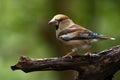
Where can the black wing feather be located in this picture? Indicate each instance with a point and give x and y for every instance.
(82, 37)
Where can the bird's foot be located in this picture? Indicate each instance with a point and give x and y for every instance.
(68, 55)
(88, 54)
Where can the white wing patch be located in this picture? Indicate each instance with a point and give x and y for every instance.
(67, 36)
(95, 40)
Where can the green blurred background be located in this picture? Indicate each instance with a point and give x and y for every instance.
(24, 30)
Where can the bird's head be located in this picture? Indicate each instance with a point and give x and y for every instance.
(59, 19)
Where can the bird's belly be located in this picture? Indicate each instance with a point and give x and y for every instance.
(81, 44)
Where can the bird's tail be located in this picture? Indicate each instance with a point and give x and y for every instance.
(106, 38)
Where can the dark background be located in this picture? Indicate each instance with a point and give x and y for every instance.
(24, 30)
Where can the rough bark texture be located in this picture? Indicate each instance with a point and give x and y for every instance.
(100, 66)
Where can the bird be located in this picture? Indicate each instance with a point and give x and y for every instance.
(74, 35)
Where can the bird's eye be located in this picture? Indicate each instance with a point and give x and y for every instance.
(60, 20)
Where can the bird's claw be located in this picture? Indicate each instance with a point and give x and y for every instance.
(88, 54)
(69, 55)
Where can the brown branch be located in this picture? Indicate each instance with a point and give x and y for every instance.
(100, 66)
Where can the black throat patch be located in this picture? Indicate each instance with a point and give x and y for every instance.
(56, 27)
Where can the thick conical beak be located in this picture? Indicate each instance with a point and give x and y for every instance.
(52, 21)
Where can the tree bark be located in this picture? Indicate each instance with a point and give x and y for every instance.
(100, 66)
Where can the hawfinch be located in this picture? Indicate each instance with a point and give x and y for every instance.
(76, 36)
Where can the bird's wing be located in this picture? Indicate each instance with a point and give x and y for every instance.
(77, 32)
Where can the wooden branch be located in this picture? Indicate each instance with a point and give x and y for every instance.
(100, 66)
